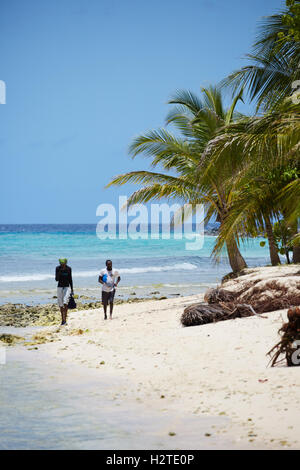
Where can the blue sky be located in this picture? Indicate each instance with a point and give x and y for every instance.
(84, 77)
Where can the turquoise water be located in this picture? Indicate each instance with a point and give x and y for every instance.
(29, 253)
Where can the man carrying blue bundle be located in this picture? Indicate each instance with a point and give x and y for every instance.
(109, 278)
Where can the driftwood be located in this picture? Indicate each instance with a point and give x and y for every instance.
(289, 345)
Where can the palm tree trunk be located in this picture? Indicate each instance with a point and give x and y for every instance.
(296, 248)
(275, 260)
(236, 260)
(296, 254)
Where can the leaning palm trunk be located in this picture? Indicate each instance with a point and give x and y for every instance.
(236, 260)
(296, 247)
(275, 260)
(296, 254)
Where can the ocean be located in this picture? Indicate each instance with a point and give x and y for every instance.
(160, 267)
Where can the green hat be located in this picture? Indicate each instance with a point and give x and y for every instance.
(63, 260)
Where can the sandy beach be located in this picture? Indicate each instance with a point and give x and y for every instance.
(218, 369)
(143, 180)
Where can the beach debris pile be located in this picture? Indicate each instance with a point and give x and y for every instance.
(289, 345)
(267, 288)
(202, 313)
(254, 292)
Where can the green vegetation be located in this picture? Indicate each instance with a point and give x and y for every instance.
(292, 20)
(244, 169)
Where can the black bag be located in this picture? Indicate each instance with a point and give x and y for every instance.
(72, 303)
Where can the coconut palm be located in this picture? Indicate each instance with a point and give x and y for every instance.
(267, 150)
(274, 69)
(185, 180)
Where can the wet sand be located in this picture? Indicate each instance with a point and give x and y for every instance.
(46, 405)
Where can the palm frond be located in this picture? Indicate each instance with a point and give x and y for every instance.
(274, 66)
(187, 99)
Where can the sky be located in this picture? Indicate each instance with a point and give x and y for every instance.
(84, 77)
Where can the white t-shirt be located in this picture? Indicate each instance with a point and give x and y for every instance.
(112, 276)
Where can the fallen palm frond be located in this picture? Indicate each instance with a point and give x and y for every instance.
(290, 341)
(213, 296)
(201, 313)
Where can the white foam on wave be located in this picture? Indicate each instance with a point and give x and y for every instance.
(149, 269)
(146, 269)
(25, 278)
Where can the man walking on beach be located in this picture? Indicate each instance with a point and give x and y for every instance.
(109, 283)
(63, 275)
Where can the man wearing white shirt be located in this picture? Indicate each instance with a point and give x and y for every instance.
(109, 278)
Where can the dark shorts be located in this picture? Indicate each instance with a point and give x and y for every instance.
(108, 297)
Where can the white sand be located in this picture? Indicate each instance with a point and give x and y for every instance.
(212, 370)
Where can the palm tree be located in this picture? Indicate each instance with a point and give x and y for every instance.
(267, 151)
(251, 213)
(198, 122)
(274, 70)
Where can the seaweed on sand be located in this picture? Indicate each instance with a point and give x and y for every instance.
(290, 341)
(9, 339)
